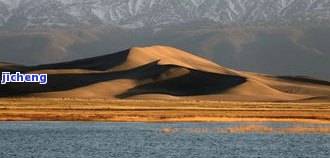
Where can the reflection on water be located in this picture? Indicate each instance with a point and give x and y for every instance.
(87, 139)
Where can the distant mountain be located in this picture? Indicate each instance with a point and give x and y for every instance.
(32, 14)
(280, 37)
(160, 72)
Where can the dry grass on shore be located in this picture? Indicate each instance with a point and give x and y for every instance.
(36, 109)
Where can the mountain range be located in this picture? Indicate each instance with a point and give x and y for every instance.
(279, 37)
(132, 14)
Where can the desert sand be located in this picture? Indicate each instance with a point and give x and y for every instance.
(161, 84)
(165, 73)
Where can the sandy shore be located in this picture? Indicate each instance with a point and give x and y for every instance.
(36, 109)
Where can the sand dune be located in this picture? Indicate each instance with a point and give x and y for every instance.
(160, 72)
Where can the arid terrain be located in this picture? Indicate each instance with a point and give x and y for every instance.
(37, 109)
(161, 84)
(161, 73)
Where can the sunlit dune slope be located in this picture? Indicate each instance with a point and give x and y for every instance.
(161, 72)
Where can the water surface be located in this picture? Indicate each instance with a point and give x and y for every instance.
(98, 140)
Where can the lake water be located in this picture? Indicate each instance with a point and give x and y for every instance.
(126, 140)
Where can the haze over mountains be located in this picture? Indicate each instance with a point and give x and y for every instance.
(280, 37)
(161, 72)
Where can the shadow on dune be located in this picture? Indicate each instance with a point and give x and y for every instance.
(305, 80)
(13, 68)
(194, 83)
(61, 82)
(100, 63)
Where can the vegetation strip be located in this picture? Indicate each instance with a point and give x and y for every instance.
(37, 109)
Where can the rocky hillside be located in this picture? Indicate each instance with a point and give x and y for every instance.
(31, 14)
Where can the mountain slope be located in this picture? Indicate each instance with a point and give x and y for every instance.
(253, 35)
(161, 72)
(32, 14)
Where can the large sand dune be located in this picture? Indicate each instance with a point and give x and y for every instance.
(160, 72)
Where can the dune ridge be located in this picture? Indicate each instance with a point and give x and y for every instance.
(160, 72)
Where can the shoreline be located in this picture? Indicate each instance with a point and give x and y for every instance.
(186, 120)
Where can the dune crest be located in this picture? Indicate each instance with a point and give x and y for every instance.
(160, 72)
(167, 56)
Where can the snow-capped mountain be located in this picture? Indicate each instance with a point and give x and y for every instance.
(29, 14)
